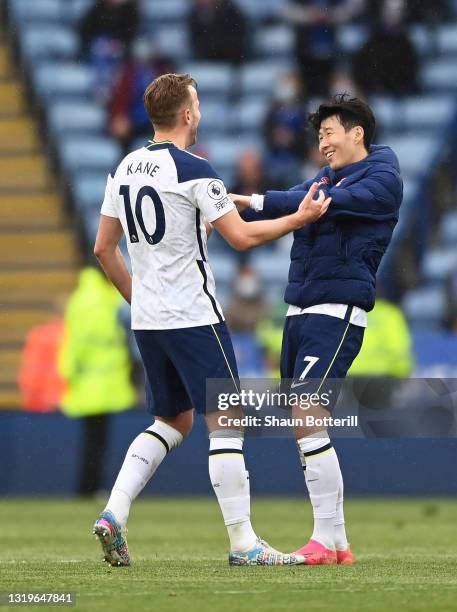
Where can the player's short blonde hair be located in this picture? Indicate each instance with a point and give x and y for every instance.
(166, 96)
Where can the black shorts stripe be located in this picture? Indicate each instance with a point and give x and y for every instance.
(318, 450)
(201, 267)
(158, 437)
(199, 236)
(224, 451)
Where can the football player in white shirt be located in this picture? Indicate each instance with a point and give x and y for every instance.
(159, 198)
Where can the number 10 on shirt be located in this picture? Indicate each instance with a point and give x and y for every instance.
(150, 192)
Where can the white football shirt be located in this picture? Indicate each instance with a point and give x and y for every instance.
(160, 194)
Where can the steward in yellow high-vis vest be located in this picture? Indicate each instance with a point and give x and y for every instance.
(386, 348)
(94, 359)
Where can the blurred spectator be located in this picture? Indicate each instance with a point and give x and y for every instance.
(107, 31)
(314, 161)
(341, 82)
(284, 131)
(218, 31)
(387, 63)
(428, 12)
(95, 364)
(250, 174)
(39, 380)
(315, 22)
(243, 314)
(129, 118)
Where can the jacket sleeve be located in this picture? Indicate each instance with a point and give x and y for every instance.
(279, 203)
(377, 197)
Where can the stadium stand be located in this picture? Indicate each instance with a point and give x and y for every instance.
(38, 255)
(234, 101)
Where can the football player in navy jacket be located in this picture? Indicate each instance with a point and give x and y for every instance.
(331, 287)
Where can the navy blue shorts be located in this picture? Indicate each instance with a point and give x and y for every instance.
(177, 363)
(317, 347)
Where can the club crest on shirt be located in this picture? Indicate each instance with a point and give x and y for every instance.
(216, 189)
(324, 181)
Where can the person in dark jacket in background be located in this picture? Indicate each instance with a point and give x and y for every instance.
(114, 19)
(128, 117)
(218, 31)
(376, 67)
(331, 288)
(107, 31)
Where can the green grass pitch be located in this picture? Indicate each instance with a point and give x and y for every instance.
(406, 550)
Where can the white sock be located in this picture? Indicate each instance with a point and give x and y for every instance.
(322, 476)
(230, 482)
(143, 457)
(341, 541)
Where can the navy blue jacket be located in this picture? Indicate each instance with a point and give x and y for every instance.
(335, 260)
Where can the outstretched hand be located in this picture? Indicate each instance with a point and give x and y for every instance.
(311, 209)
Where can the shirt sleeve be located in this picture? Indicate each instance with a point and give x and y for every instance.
(108, 206)
(210, 196)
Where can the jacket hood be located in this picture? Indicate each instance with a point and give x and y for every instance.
(384, 155)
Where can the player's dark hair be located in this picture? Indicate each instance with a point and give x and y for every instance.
(166, 96)
(351, 112)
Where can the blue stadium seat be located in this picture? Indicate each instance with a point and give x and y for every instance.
(172, 41)
(388, 112)
(440, 75)
(416, 152)
(428, 111)
(448, 229)
(38, 11)
(63, 79)
(89, 190)
(351, 38)
(272, 265)
(447, 39)
(274, 41)
(439, 263)
(79, 8)
(224, 152)
(224, 267)
(50, 41)
(211, 77)
(425, 307)
(82, 117)
(249, 114)
(422, 39)
(89, 153)
(164, 10)
(259, 10)
(410, 187)
(261, 77)
(216, 117)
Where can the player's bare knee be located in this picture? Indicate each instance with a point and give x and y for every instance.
(304, 427)
(182, 422)
(230, 419)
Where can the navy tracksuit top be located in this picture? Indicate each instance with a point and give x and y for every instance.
(335, 260)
